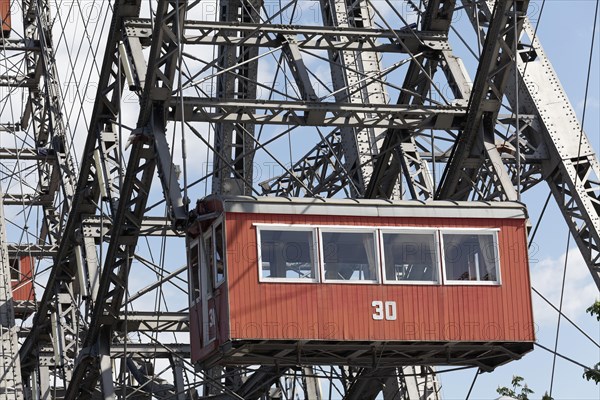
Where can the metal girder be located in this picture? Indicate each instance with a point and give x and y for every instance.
(257, 384)
(117, 350)
(25, 44)
(129, 213)
(335, 114)
(221, 33)
(152, 321)
(316, 174)
(366, 384)
(88, 191)
(20, 199)
(159, 86)
(325, 173)
(34, 250)
(42, 119)
(154, 387)
(149, 226)
(353, 76)
(572, 169)
(164, 350)
(399, 152)
(17, 81)
(26, 154)
(415, 383)
(493, 181)
(233, 141)
(493, 72)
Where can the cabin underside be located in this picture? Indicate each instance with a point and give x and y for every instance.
(366, 354)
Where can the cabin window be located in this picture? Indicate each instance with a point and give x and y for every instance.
(219, 267)
(307, 253)
(349, 256)
(15, 269)
(209, 251)
(470, 257)
(410, 257)
(195, 284)
(287, 254)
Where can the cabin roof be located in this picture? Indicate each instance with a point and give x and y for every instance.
(370, 207)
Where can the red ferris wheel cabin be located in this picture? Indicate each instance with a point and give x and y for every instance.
(21, 278)
(358, 282)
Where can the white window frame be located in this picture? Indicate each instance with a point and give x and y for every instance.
(218, 221)
(350, 229)
(19, 269)
(196, 242)
(292, 228)
(437, 255)
(208, 291)
(474, 231)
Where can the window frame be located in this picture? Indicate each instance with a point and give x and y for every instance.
(17, 269)
(473, 231)
(378, 231)
(289, 228)
(350, 229)
(209, 263)
(194, 298)
(217, 284)
(438, 254)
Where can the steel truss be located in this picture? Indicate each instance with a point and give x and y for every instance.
(382, 127)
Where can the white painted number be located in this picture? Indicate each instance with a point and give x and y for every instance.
(378, 314)
(211, 317)
(383, 310)
(390, 310)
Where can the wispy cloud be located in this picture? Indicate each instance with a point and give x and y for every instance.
(580, 290)
(593, 103)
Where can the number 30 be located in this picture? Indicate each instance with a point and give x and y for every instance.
(383, 310)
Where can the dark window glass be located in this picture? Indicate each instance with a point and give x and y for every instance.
(219, 254)
(195, 284)
(410, 257)
(15, 269)
(470, 257)
(287, 254)
(349, 256)
(209, 258)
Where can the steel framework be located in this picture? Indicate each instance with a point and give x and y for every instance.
(350, 89)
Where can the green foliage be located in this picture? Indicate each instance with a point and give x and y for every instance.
(517, 385)
(520, 391)
(594, 373)
(594, 309)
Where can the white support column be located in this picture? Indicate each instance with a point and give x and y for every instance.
(11, 387)
(44, 389)
(177, 365)
(412, 384)
(356, 79)
(106, 370)
(312, 385)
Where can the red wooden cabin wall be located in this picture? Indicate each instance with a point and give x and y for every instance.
(23, 287)
(332, 311)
